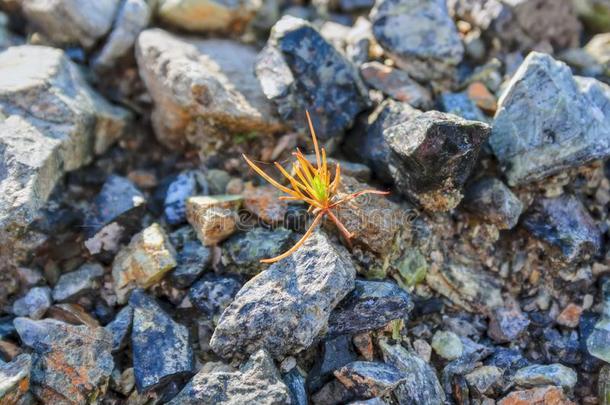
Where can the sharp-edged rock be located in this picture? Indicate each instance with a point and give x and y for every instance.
(15, 379)
(214, 218)
(213, 293)
(490, 199)
(186, 184)
(284, 308)
(120, 328)
(551, 374)
(72, 285)
(370, 379)
(34, 304)
(193, 259)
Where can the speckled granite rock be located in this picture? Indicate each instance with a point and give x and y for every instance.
(15, 379)
(284, 308)
(299, 70)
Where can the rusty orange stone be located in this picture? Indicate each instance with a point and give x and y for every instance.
(570, 316)
(486, 101)
(264, 203)
(549, 395)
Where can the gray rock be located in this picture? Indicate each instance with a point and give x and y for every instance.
(507, 324)
(60, 353)
(358, 41)
(203, 90)
(565, 225)
(193, 259)
(522, 24)
(540, 375)
(484, 378)
(371, 305)
(396, 84)
(447, 345)
(54, 122)
(284, 308)
(208, 15)
(258, 381)
(434, 47)
(597, 342)
(160, 346)
(299, 70)
(15, 379)
(133, 16)
(243, 252)
(69, 22)
(432, 156)
(144, 262)
(547, 121)
(461, 105)
(74, 284)
(218, 181)
(213, 293)
(34, 304)
(120, 328)
(369, 146)
(296, 384)
(422, 385)
(370, 379)
(185, 185)
(489, 199)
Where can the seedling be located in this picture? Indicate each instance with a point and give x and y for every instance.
(312, 185)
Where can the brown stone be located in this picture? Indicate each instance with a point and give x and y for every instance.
(214, 218)
(570, 316)
(482, 97)
(264, 203)
(364, 344)
(549, 395)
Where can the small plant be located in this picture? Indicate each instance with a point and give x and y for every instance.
(312, 185)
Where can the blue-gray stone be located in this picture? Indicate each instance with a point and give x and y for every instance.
(72, 285)
(461, 105)
(371, 305)
(213, 293)
(551, 374)
(299, 70)
(193, 259)
(34, 304)
(367, 379)
(160, 346)
(120, 328)
(295, 382)
(15, 379)
(186, 184)
(492, 201)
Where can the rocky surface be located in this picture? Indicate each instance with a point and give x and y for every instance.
(132, 230)
(312, 282)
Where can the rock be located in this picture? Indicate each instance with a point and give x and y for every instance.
(363, 343)
(284, 308)
(570, 316)
(333, 393)
(461, 105)
(115, 215)
(422, 385)
(507, 324)
(540, 375)
(522, 25)
(548, 121)
(434, 48)
(595, 14)
(186, 184)
(492, 201)
(370, 379)
(369, 145)
(396, 84)
(34, 304)
(73, 314)
(603, 391)
(299, 70)
(432, 155)
(412, 269)
(539, 396)
(60, 352)
(214, 218)
(597, 338)
(358, 41)
(120, 328)
(374, 221)
(208, 15)
(202, 89)
(336, 353)
(264, 203)
(447, 345)
(484, 378)
(77, 283)
(213, 293)
(218, 180)
(470, 289)
(296, 384)
(160, 346)
(193, 259)
(598, 50)
(358, 171)
(257, 381)
(132, 17)
(371, 305)
(144, 262)
(65, 22)
(243, 252)
(15, 379)
(565, 225)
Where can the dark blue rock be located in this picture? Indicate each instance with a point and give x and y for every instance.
(118, 201)
(160, 346)
(213, 293)
(120, 328)
(369, 379)
(186, 184)
(337, 352)
(296, 384)
(492, 201)
(461, 105)
(558, 347)
(7, 329)
(509, 360)
(371, 305)
(299, 70)
(193, 259)
(564, 224)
